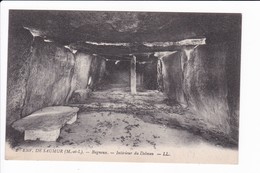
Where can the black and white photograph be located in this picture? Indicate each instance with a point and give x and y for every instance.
(123, 86)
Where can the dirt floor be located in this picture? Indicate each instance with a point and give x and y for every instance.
(107, 128)
(93, 129)
(114, 117)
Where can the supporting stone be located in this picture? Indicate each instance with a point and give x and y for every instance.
(133, 75)
(80, 96)
(42, 135)
(73, 119)
(159, 75)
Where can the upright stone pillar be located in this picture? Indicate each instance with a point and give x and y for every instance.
(133, 75)
(159, 76)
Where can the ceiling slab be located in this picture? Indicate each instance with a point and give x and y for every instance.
(68, 27)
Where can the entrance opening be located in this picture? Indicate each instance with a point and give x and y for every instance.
(118, 75)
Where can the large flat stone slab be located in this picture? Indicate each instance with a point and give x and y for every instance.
(45, 124)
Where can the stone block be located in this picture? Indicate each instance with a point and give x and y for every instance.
(42, 135)
(73, 119)
(80, 96)
(45, 124)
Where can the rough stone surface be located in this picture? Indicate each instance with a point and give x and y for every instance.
(42, 135)
(82, 68)
(205, 85)
(46, 119)
(80, 96)
(18, 70)
(129, 27)
(98, 67)
(81, 72)
(233, 83)
(49, 77)
(73, 119)
(172, 77)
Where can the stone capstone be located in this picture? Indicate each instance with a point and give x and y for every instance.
(45, 124)
(123, 27)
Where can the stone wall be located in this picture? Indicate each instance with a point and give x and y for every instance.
(172, 77)
(39, 75)
(206, 79)
(19, 44)
(205, 85)
(42, 74)
(81, 72)
(97, 71)
(50, 72)
(233, 84)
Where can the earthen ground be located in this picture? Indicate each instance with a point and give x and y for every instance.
(114, 117)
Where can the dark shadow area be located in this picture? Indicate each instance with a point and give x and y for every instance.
(117, 75)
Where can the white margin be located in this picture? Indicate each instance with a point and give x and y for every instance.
(250, 75)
